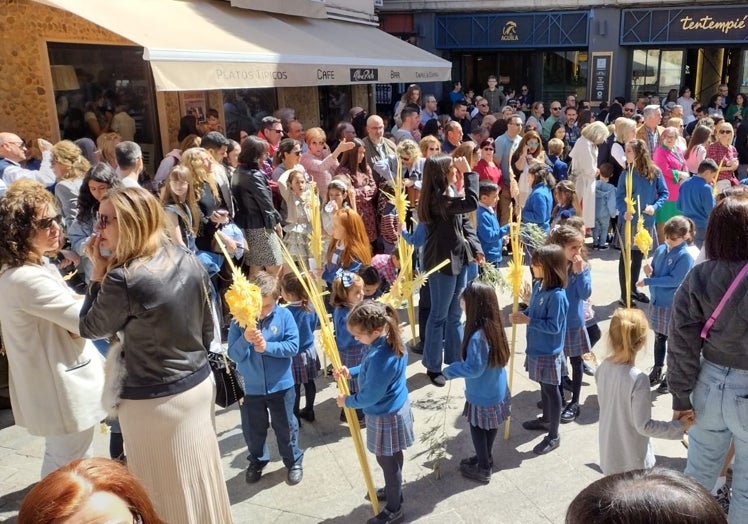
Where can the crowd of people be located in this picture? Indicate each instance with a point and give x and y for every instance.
(145, 275)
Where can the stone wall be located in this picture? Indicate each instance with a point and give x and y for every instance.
(27, 104)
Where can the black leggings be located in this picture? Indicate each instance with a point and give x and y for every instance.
(577, 370)
(636, 266)
(660, 348)
(483, 443)
(116, 446)
(551, 407)
(310, 392)
(392, 467)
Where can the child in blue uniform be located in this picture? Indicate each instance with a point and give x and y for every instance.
(347, 291)
(305, 365)
(490, 234)
(578, 289)
(670, 265)
(539, 204)
(263, 356)
(546, 327)
(383, 396)
(485, 352)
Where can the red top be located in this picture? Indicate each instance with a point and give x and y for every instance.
(488, 172)
(720, 153)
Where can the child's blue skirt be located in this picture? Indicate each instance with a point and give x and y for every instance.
(576, 342)
(305, 365)
(547, 369)
(390, 433)
(659, 318)
(489, 417)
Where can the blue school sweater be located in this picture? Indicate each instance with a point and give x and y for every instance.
(605, 200)
(578, 289)
(490, 234)
(381, 381)
(267, 372)
(669, 270)
(343, 337)
(538, 207)
(306, 321)
(653, 194)
(560, 168)
(696, 200)
(328, 275)
(547, 327)
(484, 386)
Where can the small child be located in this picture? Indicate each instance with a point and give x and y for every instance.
(338, 197)
(349, 247)
(388, 266)
(546, 327)
(305, 366)
(347, 291)
(605, 207)
(297, 196)
(626, 423)
(372, 281)
(383, 396)
(539, 204)
(485, 353)
(263, 357)
(671, 263)
(490, 234)
(567, 201)
(696, 198)
(560, 168)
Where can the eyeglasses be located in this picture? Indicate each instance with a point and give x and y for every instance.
(19, 144)
(556, 109)
(102, 221)
(524, 90)
(297, 153)
(46, 223)
(487, 148)
(533, 144)
(434, 149)
(725, 132)
(279, 131)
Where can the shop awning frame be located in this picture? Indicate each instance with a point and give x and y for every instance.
(207, 44)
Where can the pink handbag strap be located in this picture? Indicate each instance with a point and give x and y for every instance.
(730, 290)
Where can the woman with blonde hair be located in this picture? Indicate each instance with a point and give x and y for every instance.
(318, 162)
(584, 169)
(156, 295)
(57, 375)
(430, 145)
(105, 143)
(69, 166)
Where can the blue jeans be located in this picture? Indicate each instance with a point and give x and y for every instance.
(444, 317)
(600, 232)
(254, 415)
(720, 403)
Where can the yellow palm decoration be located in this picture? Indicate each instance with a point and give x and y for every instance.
(514, 277)
(243, 298)
(627, 232)
(642, 239)
(315, 237)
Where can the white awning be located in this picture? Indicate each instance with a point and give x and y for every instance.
(205, 44)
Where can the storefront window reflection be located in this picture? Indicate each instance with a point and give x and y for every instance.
(99, 89)
(244, 109)
(565, 73)
(656, 71)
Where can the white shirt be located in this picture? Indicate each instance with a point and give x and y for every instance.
(45, 175)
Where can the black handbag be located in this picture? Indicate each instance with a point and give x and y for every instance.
(229, 384)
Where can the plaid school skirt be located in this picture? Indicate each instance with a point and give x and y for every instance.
(350, 357)
(305, 365)
(488, 417)
(547, 369)
(659, 318)
(390, 433)
(576, 342)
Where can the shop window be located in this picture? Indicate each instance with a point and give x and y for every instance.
(565, 73)
(102, 88)
(244, 109)
(656, 71)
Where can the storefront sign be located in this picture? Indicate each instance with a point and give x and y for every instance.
(600, 79)
(562, 29)
(693, 25)
(364, 75)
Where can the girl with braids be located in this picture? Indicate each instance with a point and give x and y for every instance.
(383, 396)
(485, 352)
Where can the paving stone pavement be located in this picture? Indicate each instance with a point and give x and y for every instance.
(525, 488)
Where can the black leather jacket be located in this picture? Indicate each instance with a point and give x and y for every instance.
(162, 307)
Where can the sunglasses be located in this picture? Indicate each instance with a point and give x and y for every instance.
(555, 109)
(46, 223)
(488, 149)
(725, 132)
(102, 221)
(434, 149)
(533, 144)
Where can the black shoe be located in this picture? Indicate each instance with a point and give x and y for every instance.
(437, 379)
(595, 246)
(622, 302)
(664, 389)
(655, 376)
(388, 517)
(568, 385)
(382, 496)
(588, 369)
(254, 472)
(295, 474)
(417, 348)
(546, 445)
(570, 413)
(307, 414)
(475, 472)
(604, 247)
(537, 424)
(640, 297)
(342, 415)
(473, 461)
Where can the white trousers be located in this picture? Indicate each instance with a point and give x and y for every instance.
(61, 449)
